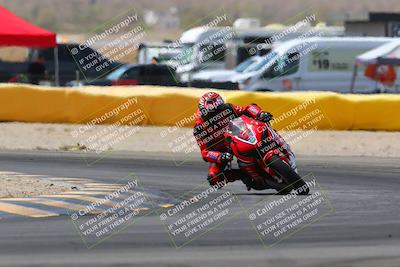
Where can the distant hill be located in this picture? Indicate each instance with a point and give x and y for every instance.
(81, 16)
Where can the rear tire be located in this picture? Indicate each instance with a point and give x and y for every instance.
(292, 181)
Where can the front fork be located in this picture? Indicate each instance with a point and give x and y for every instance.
(288, 157)
(284, 151)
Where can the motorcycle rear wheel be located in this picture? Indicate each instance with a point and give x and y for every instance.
(292, 181)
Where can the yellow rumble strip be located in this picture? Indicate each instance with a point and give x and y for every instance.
(83, 198)
(53, 203)
(101, 189)
(84, 192)
(89, 191)
(104, 185)
(25, 211)
(166, 206)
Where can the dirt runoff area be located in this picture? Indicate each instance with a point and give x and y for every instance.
(39, 136)
(14, 185)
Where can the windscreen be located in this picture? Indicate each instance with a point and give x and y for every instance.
(239, 129)
(244, 65)
(116, 74)
(267, 58)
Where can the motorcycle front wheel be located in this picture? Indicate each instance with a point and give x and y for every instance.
(291, 180)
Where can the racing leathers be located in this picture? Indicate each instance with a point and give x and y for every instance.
(209, 132)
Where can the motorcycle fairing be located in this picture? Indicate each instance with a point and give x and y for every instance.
(240, 131)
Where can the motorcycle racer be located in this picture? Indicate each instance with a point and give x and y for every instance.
(212, 118)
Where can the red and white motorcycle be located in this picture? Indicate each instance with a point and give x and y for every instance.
(254, 142)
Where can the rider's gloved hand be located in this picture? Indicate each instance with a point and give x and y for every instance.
(216, 180)
(225, 157)
(264, 116)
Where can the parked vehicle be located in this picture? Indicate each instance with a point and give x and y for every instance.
(320, 63)
(138, 74)
(226, 47)
(201, 46)
(253, 69)
(225, 75)
(10, 70)
(165, 52)
(68, 66)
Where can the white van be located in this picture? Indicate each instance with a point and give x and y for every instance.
(225, 75)
(319, 63)
(218, 47)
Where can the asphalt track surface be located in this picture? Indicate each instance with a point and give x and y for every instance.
(362, 230)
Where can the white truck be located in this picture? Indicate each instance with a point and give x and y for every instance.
(319, 63)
